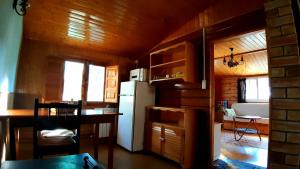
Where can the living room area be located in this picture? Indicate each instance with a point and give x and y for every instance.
(241, 130)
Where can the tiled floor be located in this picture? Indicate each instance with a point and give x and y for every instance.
(249, 149)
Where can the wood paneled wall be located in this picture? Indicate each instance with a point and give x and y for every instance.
(37, 57)
(218, 12)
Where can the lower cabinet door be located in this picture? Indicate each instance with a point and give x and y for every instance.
(156, 132)
(173, 143)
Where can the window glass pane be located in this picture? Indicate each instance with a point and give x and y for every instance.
(251, 89)
(96, 83)
(72, 81)
(263, 88)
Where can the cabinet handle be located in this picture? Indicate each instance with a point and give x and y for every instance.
(162, 139)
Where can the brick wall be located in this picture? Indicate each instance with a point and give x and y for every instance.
(227, 89)
(284, 66)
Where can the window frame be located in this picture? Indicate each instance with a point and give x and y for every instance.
(84, 84)
(87, 83)
(257, 100)
(83, 72)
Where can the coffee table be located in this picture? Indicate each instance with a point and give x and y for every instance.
(239, 132)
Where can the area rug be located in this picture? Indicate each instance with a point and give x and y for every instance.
(233, 164)
(227, 137)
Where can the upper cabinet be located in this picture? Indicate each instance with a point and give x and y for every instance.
(174, 63)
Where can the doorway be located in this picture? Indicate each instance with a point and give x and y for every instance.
(241, 86)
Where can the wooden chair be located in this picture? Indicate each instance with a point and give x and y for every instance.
(56, 129)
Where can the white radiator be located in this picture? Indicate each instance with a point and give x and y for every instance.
(105, 127)
(104, 130)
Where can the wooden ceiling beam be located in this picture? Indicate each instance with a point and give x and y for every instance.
(244, 53)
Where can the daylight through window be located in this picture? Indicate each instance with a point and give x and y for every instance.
(257, 89)
(72, 81)
(95, 83)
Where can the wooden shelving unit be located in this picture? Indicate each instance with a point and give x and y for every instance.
(173, 63)
(170, 132)
(169, 64)
(167, 80)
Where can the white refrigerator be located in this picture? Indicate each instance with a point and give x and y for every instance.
(134, 97)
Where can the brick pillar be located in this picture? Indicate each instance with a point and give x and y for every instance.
(284, 71)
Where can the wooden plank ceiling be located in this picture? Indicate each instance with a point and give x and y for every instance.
(252, 46)
(124, 27)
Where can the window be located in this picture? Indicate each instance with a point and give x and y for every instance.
(77, 74)
(72, 81)
(257, 89)
(95, 83)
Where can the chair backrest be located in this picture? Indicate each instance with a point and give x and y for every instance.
(57, 115)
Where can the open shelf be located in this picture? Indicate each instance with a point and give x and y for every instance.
(167, 108)
(170, 49)
(168, 116)
(167, 80)
(169, 63)
(174, 64)
(167, 124)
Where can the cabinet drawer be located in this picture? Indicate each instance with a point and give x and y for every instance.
(173, 144)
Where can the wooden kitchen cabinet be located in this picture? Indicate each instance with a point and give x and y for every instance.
(173, 142)
(156, 136)
(173, 63)
(170, 132)
(167, 140)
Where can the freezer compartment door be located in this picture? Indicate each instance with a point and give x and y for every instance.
(125, 123)
(128, 88)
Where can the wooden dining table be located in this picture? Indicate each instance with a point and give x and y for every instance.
(15, 118)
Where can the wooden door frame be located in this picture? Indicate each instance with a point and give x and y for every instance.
(235, 26)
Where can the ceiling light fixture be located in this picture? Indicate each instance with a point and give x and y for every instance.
(20, 6)
(232, 62)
